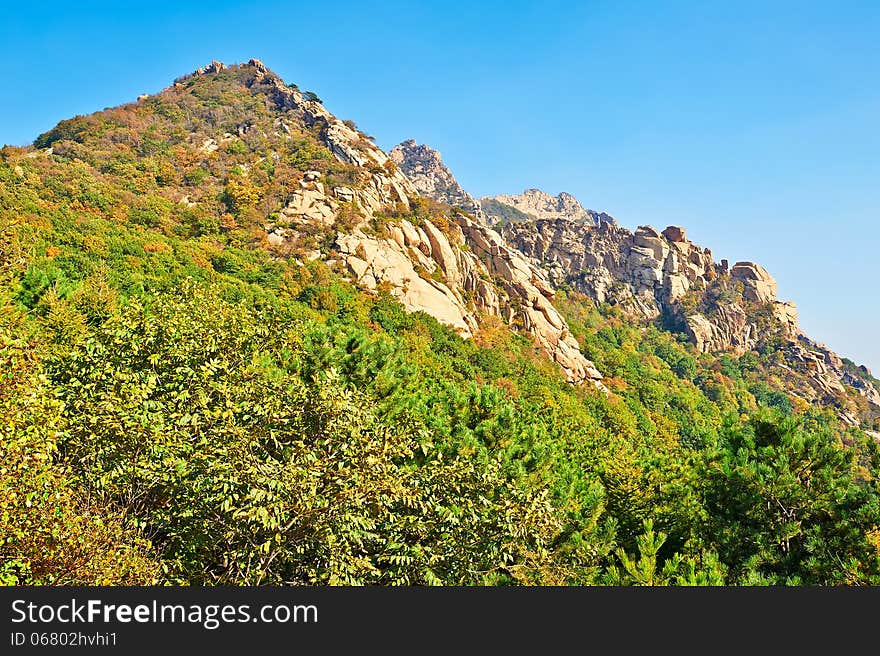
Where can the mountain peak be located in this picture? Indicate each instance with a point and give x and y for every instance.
(424, 167)
(249, 73)
(538, 204)
(326, 182)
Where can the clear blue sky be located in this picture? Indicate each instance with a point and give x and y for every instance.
(752, 124)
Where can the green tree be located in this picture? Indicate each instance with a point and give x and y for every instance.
(50, 533)
(648, 568)
(789, 505)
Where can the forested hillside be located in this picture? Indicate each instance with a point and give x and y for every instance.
(186, 399)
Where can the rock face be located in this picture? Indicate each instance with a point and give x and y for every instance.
(539, 204)
(428, 270)
(759, 285)
(662, 275)
(728, 330)
(373, 262)
(424, 167)
(310, 203)
(650, 274)
(641, 271)
(827, 377)
(529, 293)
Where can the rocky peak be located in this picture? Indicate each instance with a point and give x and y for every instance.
(432, 178)
(385, 185)
(424, 167)
(214, 67)
(538, 204)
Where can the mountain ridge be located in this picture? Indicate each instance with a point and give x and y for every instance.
(441, 270)
(654, 275)
(545, 266)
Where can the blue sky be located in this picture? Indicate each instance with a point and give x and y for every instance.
(752, 124)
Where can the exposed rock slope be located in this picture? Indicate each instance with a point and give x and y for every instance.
(460, 274)
(652, 276)
(656, 275)
(456, 275)
(424, 167)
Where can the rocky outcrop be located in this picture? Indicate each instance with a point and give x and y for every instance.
(310, 203)
(641, 271)
(728, 329)
(653, 275)
(428, 269)
(375, 261)
(539, 204)
(786, 315)
(458, 270)
(828, 375)
(650, 274)
(759, 285)
(529, 293)
(549, 241)
(424, 167)
(386, 184)
(456, 274)
(214, 67)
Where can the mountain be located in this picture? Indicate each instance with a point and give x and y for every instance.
(240, 344)
(422, 263)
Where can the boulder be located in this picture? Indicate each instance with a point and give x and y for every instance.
(675, 234)
(759, 285)
(373, 261)
(656, 245)
(275, 239)
(647, 231)
(787, 315)
(410, 234)
(676, 286)
(344, 194)
(441, 252)
(699, 331)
